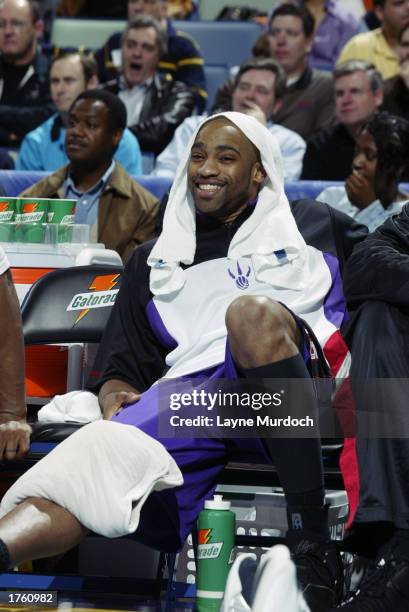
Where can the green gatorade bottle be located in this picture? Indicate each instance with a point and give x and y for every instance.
(215, 552)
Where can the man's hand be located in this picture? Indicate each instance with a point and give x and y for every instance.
(115, 401)
(14, 439)
(255, 111)
(359, 190)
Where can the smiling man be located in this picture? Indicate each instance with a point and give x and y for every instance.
(180, 316)
(156, 105)
(44, 148)
(358, 96)
(119, 211)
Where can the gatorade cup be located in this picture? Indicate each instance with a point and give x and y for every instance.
(62, 212)
(8, 210)
(214, 553)
(33, 217)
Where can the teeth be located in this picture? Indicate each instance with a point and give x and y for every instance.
(210, 187)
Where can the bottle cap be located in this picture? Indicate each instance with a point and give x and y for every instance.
(217, 503)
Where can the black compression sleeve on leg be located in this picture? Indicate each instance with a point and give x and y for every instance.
(298, 460)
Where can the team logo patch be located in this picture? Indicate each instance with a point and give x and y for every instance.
(241, 278)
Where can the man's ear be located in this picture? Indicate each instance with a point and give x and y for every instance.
(93, 82)
(259, 174)
(277, 105)
(310, 42)
(116, 137)
(39, 28)
(378, 10)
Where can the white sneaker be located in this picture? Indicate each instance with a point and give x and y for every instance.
(239, 584)
(267, 586)
(275, 584)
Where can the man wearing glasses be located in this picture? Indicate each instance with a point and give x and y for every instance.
(24, 93)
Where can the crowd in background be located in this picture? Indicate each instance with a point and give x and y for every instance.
(320, 71)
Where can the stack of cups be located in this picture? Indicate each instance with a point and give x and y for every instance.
(25, 219)
(62, 212)
(31, 219)
(8, 210)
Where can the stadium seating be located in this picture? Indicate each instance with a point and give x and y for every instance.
(215, 77)
(89, 33)
(209, 9)
(224, 42)
(14, 182)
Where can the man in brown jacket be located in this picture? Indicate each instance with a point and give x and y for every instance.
(119, 211)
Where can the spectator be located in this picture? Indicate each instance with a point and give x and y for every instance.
(180, 57)
(378, 335)
(358, 96)
(227, 206)
(119, 211)
(397, 88)
(43, 148)
(24, 92)
(380, 46)
(155, 105)
(334, 26)
(14, 431)
(308, 100)
(371, 193)
(257, 91)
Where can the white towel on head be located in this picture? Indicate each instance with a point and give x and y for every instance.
(270, 235)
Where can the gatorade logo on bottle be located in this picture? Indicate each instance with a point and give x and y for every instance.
(207, 549)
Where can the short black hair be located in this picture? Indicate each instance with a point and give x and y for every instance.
(379, 2)
(391, 136)
(287, 9)
(116, 108)
(265, 64)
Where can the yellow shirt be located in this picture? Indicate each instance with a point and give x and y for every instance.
(372, 47)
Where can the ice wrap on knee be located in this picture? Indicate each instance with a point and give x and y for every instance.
(102, 474)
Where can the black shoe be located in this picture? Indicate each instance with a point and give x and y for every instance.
(319, 573)
(385, 590)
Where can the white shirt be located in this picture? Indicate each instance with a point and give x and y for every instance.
(372, 216)
(292, 148)
(4, 264)
(133, 98)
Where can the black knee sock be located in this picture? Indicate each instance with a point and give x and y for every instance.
(4, 557)
(298, 460)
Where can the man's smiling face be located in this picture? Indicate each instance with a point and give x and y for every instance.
(224, 172)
